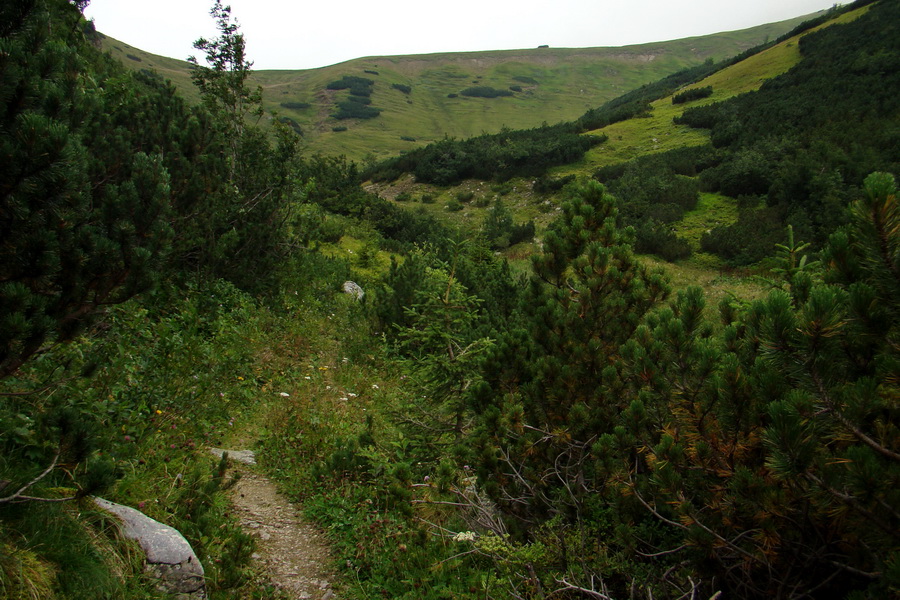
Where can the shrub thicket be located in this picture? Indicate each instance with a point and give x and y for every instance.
(489, 157)
(355, 110)
(816, 162)
(295, 127)
(295, 105)
(483, 91)
(692, 94)
(350, 82)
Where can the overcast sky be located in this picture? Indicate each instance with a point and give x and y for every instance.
(283, 34)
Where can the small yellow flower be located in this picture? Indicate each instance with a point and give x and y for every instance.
(159, 412)
(240, 378)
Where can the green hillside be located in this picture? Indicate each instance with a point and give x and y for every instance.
(729, 193)
(657, 132)
(557, 84)
(515, 398)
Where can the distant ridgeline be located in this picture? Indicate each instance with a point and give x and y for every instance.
(535, 150)
(793, 152)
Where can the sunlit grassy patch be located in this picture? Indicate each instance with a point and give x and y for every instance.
(713, 210)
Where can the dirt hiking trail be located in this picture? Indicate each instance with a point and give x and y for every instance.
(292, 554)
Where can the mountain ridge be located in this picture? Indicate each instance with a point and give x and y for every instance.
(567, 81)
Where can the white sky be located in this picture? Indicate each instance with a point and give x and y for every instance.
(281, 34)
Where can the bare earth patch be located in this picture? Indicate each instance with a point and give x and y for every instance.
(291, 552)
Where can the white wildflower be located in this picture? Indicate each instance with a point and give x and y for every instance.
(464, 536)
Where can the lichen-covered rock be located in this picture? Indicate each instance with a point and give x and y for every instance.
(353, 289)
(247, 457)
(170, 557)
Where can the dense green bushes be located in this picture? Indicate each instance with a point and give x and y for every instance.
(489, 157)
(356, 106)
(84, 209)
(547, 185)
(678, 458)
(483, 91)
(637, 102)
(295, 127)
(500, 230)
(355, 110)
(692, 94)
(358, 86)
(654, 192)
(295, 105)
(816, 161)
(654, 236)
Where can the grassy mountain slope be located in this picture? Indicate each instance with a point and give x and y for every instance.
(653, 132)
(556, 84)
(657, 132)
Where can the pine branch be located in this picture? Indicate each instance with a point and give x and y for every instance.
(19, 496)
(855, 504)
(570, 587)
(860, 435)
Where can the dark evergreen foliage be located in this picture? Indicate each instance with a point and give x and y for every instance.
(654, 191)
(356, 106)
(759, 461)
(351, 82)
(483, 91)
(692, 94)
(295, 127)
(807, 138)
(637, 102)
(83, 217)
(242, 235)
(489, 157)
(500, 230)
(541, 412)
(654, 236)
(355, 110)
(295, 105)
(547, 185)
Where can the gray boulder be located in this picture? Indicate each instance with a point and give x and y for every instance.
(353, 289)
(170, 558)
(247, 457)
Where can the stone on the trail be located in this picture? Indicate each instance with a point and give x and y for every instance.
(247, 457)
(353, 289)
(170, 558)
